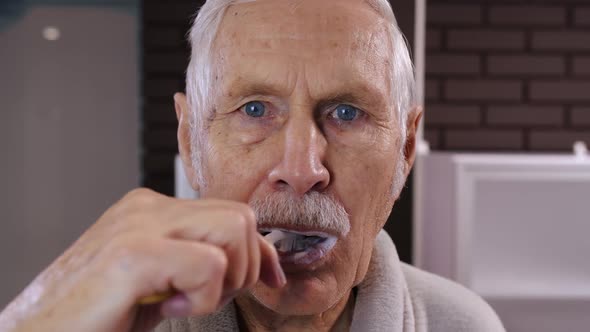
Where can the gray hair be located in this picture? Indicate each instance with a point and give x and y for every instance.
(200, 90)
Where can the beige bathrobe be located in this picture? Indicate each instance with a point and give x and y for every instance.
(393, 297)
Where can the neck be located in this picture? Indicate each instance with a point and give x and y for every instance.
(255, 317)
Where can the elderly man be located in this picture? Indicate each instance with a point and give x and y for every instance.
(298, 131)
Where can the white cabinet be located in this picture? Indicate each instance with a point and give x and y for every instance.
(513, 228)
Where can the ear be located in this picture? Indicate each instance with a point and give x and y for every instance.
(412, 126)
(184, 137)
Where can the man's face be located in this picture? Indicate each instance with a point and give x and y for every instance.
(304, 105)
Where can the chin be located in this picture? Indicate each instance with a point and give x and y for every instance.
(306, 293)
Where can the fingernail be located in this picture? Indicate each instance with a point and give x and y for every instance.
(177, 306)
(225, 301)
(227, 297)
(280, 275)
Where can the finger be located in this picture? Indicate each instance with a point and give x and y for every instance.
(254, 254)
(271, 272)
(253, 268)
(192, 269)
(230, 229)
(203, 291)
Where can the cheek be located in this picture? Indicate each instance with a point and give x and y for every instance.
(234, 169)
(363, 178)
(365, 171)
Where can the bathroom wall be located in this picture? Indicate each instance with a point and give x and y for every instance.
(69, 124)
(507, 75)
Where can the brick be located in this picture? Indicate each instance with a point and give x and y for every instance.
(565, 91)
(162, 183)
(582, 16)
(161, 162)
(431, 89)
(432, 136)
(557, 140)
(483, 139)
(164, 37)
(162, 87)
(492, 90)
(525, 65)
(486, 39)
(444, 114)
(527, 15)
(565, 40)
(520, 116)
(174, 12)
(433, 39)
(581, 65)
(165, 63)
(580, 116)
(452, 64)
(159, 114)
(160, 139)
(453, 13)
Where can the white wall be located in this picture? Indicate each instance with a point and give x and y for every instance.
(69, 143)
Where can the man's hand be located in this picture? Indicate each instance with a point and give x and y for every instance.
(206, 251)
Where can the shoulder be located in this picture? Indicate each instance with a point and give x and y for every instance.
(441, 305)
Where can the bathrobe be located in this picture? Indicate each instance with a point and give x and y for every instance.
(393, 297)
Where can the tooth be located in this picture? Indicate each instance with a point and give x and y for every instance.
(292, 242)
(299, 255)
(275, 236)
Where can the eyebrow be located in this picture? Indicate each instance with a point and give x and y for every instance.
(249, 88)
(244, 87)
(344, 98)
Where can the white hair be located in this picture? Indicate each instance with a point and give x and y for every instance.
(200, 89)
(314, 209)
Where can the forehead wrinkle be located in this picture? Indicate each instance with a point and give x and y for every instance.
(258, 79)
(291, 26)
(267, 37)
(368, 47)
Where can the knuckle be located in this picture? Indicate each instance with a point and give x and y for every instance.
(244, 219)
(135, 202)
(217, 261)
(247, 212)
(240, 222)
(140, 195)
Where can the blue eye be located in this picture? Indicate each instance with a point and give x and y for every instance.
(254, 109)
(345, 112)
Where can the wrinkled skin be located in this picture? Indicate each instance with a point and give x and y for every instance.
(146, 243)
(301, 66)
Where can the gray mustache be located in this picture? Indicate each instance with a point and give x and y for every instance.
(314, 210)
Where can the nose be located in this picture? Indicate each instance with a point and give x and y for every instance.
(301, 168)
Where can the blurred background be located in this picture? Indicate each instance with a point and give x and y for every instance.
(497, 198)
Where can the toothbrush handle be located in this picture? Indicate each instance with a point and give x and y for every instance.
(156, 298)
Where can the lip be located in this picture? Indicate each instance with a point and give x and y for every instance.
(310, 258)
(304, 230)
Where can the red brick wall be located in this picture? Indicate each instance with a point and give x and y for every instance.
(507, 75)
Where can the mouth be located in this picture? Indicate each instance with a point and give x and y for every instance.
(299, 248)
